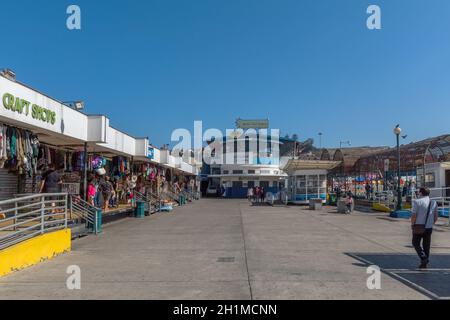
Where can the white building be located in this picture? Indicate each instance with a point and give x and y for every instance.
(249, 160)
(63, 128)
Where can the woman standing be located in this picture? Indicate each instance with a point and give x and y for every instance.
(250, 194)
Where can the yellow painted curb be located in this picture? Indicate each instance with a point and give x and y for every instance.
(381, 207)
(34, 251)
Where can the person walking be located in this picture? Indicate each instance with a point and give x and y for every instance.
(424, 216)
(258, 194)
(367, 191)
(92, 191)
(263, 194)
(250, 194)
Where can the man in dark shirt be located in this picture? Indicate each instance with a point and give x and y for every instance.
(51, 181)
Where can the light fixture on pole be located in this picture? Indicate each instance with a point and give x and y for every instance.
(77, 105)
(320, 139)
(397, 132)
(8, 73)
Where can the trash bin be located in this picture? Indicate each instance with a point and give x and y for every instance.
(99, 221)
(315, 204)
(139, 211)
(341, 206)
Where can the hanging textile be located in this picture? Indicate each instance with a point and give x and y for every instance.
(18, 150)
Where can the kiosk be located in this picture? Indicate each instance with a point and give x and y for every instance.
(308, 179)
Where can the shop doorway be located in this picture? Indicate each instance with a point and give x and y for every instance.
(447, 183)
(9, 184)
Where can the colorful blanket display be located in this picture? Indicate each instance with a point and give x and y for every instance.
(19, 150)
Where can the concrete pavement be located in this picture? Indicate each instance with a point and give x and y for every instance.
(227, 249)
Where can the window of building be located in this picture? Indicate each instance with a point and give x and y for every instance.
(225, 171)
(238, 171)
(264, 184)
(237, 184)
(251, 171)
(430, 180)
(251, 184)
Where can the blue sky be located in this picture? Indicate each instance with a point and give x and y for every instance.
(308, 65)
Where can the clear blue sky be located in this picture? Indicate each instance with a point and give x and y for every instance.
(308, 65)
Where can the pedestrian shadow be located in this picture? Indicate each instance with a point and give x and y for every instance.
(433, 282)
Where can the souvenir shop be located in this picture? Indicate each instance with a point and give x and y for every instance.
(19, 155)
(23, 160)
(119, 170)
(150, 177)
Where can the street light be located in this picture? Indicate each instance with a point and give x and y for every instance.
(320, 139)
(397, 132)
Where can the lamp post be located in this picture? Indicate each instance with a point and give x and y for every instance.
(320, 139)
(397, 132)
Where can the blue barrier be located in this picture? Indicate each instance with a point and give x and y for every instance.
(401, 214)
(443, 212)
(241, 193)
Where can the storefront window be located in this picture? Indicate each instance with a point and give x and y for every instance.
(430, 180)
(313, 184)
(301, 185)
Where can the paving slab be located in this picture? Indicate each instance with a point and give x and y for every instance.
(228, 249)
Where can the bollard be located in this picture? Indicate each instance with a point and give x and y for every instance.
(99, 221)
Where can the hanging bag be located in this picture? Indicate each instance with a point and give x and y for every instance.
(420, 229)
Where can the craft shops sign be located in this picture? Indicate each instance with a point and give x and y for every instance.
(22, 106)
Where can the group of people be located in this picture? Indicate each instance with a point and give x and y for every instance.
(256, 194)
(104, 193)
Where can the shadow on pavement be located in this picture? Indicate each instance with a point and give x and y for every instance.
(433, 282)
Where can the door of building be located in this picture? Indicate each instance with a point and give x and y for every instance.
(9, 183)
(447, 182)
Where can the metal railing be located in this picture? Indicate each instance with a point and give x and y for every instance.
(84, 212)
(170, 195)
(155, 201)
(443, 204)
(143, 198)
(31, 216)
(443, 192)
(188, 195)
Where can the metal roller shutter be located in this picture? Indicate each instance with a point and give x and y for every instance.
(8, 184)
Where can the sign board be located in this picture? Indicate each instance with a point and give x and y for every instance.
(24, 107)
(151, 153)
(252, 124)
